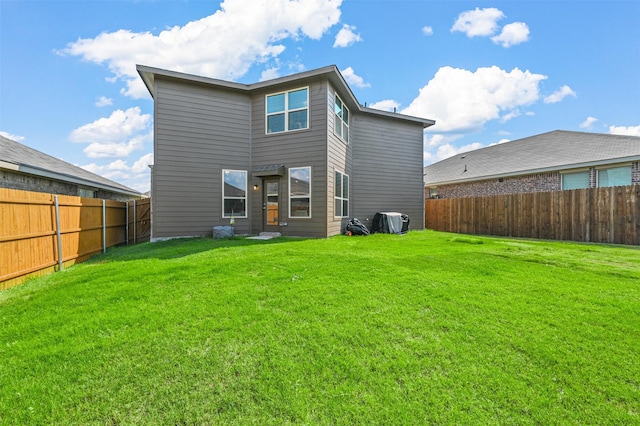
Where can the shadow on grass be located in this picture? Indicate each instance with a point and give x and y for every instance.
(180, 247)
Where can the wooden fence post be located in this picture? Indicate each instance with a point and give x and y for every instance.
(58, 233)
(104, 226)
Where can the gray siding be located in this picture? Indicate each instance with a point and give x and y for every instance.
(199, 131)
(387, 169)
(339, 158)
(294, 149)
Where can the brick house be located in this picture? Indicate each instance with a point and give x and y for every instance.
(24, 168)
(553, 161)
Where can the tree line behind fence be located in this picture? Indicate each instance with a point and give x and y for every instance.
(599, 215)
(41, 233)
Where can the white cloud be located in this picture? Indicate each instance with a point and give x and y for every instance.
(142, 165)
(434, 140)
(269, 74)
(625, 130)
(461, 100)
(118, 135)
(588, 123)
(386, 105)
(243, 32)
(353, 79)
(346, 36)
(114, 171)
(119, 126)
(512, 34)
(447, 150)
(510, 115)
(136, 176)
(559, 95)
(115, 150)
(15, 138)
(478, 22)
(104, 101)
(427, 30)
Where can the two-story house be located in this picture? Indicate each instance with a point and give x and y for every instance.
(296, 155)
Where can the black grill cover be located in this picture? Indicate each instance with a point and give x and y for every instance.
(390, 223)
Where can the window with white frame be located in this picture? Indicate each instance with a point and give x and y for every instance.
(341, 195)
(234, 193)
(575, 180)
(341, 122)
(288, 111)
(299, 192)
(614, 176)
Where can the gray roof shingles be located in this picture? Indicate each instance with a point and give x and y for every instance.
(556, 150)
(22, 155)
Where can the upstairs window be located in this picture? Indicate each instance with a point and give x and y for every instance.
(288, 111)
(615, 176)
(341, 122)
(341, 194)
(234, 193)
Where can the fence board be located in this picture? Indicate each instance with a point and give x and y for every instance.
(28, 233)
(603, 215)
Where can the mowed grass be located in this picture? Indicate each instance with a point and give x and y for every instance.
(425, 328)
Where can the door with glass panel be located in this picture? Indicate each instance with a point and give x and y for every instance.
(271, 205)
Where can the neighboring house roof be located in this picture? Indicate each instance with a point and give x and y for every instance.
(331, 72)
(20, 158)
(552, 151)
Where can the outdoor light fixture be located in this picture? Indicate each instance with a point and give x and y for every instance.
(255, 187)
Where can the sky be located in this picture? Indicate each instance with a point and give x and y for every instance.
(486, 71)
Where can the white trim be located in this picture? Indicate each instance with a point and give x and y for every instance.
(571, 171)
(289, 192)
(613, 166)
(245, 198)
(9, 166)
(339, 119)
(341, 199)
(286, 111)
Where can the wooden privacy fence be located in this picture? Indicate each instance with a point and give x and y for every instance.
(41, 233)
(602, 215)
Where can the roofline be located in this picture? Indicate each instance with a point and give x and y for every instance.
(564, 167)
(37, 171)
(424, 121)
(333, 74)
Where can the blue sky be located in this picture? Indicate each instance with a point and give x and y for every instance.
(486, 71)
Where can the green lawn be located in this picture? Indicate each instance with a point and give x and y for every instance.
(425, 328)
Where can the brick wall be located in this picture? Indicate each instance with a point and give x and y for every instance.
(540, 182)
